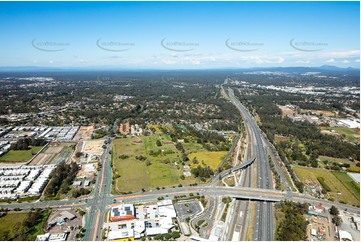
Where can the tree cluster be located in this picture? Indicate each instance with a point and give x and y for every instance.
(25, 143)
(79, 192)
(61, 178)
(336, 219)
(293, 226)
(202, 172)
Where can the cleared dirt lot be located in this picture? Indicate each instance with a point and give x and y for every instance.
(53, 150)
(84, 132)
(286, 111)
(41, 159)
(46, 156)
(94, 147)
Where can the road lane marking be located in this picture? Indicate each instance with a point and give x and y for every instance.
(101, 181)
(96, 226)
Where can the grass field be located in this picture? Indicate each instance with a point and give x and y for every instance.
(20, 155)
(352, 135)
(132, 174)
(353, 187)
(319, 112)
(211, 158)
(279, 138)
(9, 221)
(340, 160)
(192, 147)
(338, 190)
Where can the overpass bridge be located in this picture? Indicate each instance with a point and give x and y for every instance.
(225, 173)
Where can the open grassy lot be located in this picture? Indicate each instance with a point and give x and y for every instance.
(340, 160)
(132, 174)
(7, 223)
(338, 190)
(279, 138)
(352, 135)
(12, 224)
(192, 147)
(319, 112)
(349, 183)
(20, 155)
(211, 158)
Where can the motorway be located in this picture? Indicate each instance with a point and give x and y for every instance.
(264, 221)
(243, 193)
(263, 194)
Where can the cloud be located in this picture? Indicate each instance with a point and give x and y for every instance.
(332, 60)
(346, 61)
(303, 61)
(358, 60)
(51, 62)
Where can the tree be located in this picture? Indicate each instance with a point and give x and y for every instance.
(167, 236)
(78, 154)
(336, 220)
(158, 142)
(175, 235)
(334, 211)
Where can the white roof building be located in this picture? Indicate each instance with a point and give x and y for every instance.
(23, 187)
(166, 223)
(121, 234)
(139, 226)
(167, 211)
(344, 235)
(156, 231)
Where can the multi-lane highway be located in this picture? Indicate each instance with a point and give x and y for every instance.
(100, 201)
(263, 193)
(264, 216)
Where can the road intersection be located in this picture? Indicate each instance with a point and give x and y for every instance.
(101, 199)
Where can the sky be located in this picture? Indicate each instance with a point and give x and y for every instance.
(179, 35)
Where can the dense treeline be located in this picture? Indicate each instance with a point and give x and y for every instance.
(210, 140)
(25, 143)
(61, 178)
(309, 134)
(293, 226)
(202, 172)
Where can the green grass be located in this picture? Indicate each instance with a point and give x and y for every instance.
(8, 222)
(339, 160)
(136, 175)
(352, 135)
(278, 138)
(230, 181)
(211, 158)
(338, 190)
(20, 155)
(192, 147)
(349, 183)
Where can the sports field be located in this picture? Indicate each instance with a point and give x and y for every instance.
(338, 190)
(20, 155)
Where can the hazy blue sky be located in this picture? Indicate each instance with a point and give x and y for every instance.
(179, 34)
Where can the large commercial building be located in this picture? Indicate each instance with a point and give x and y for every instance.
(122, 212)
